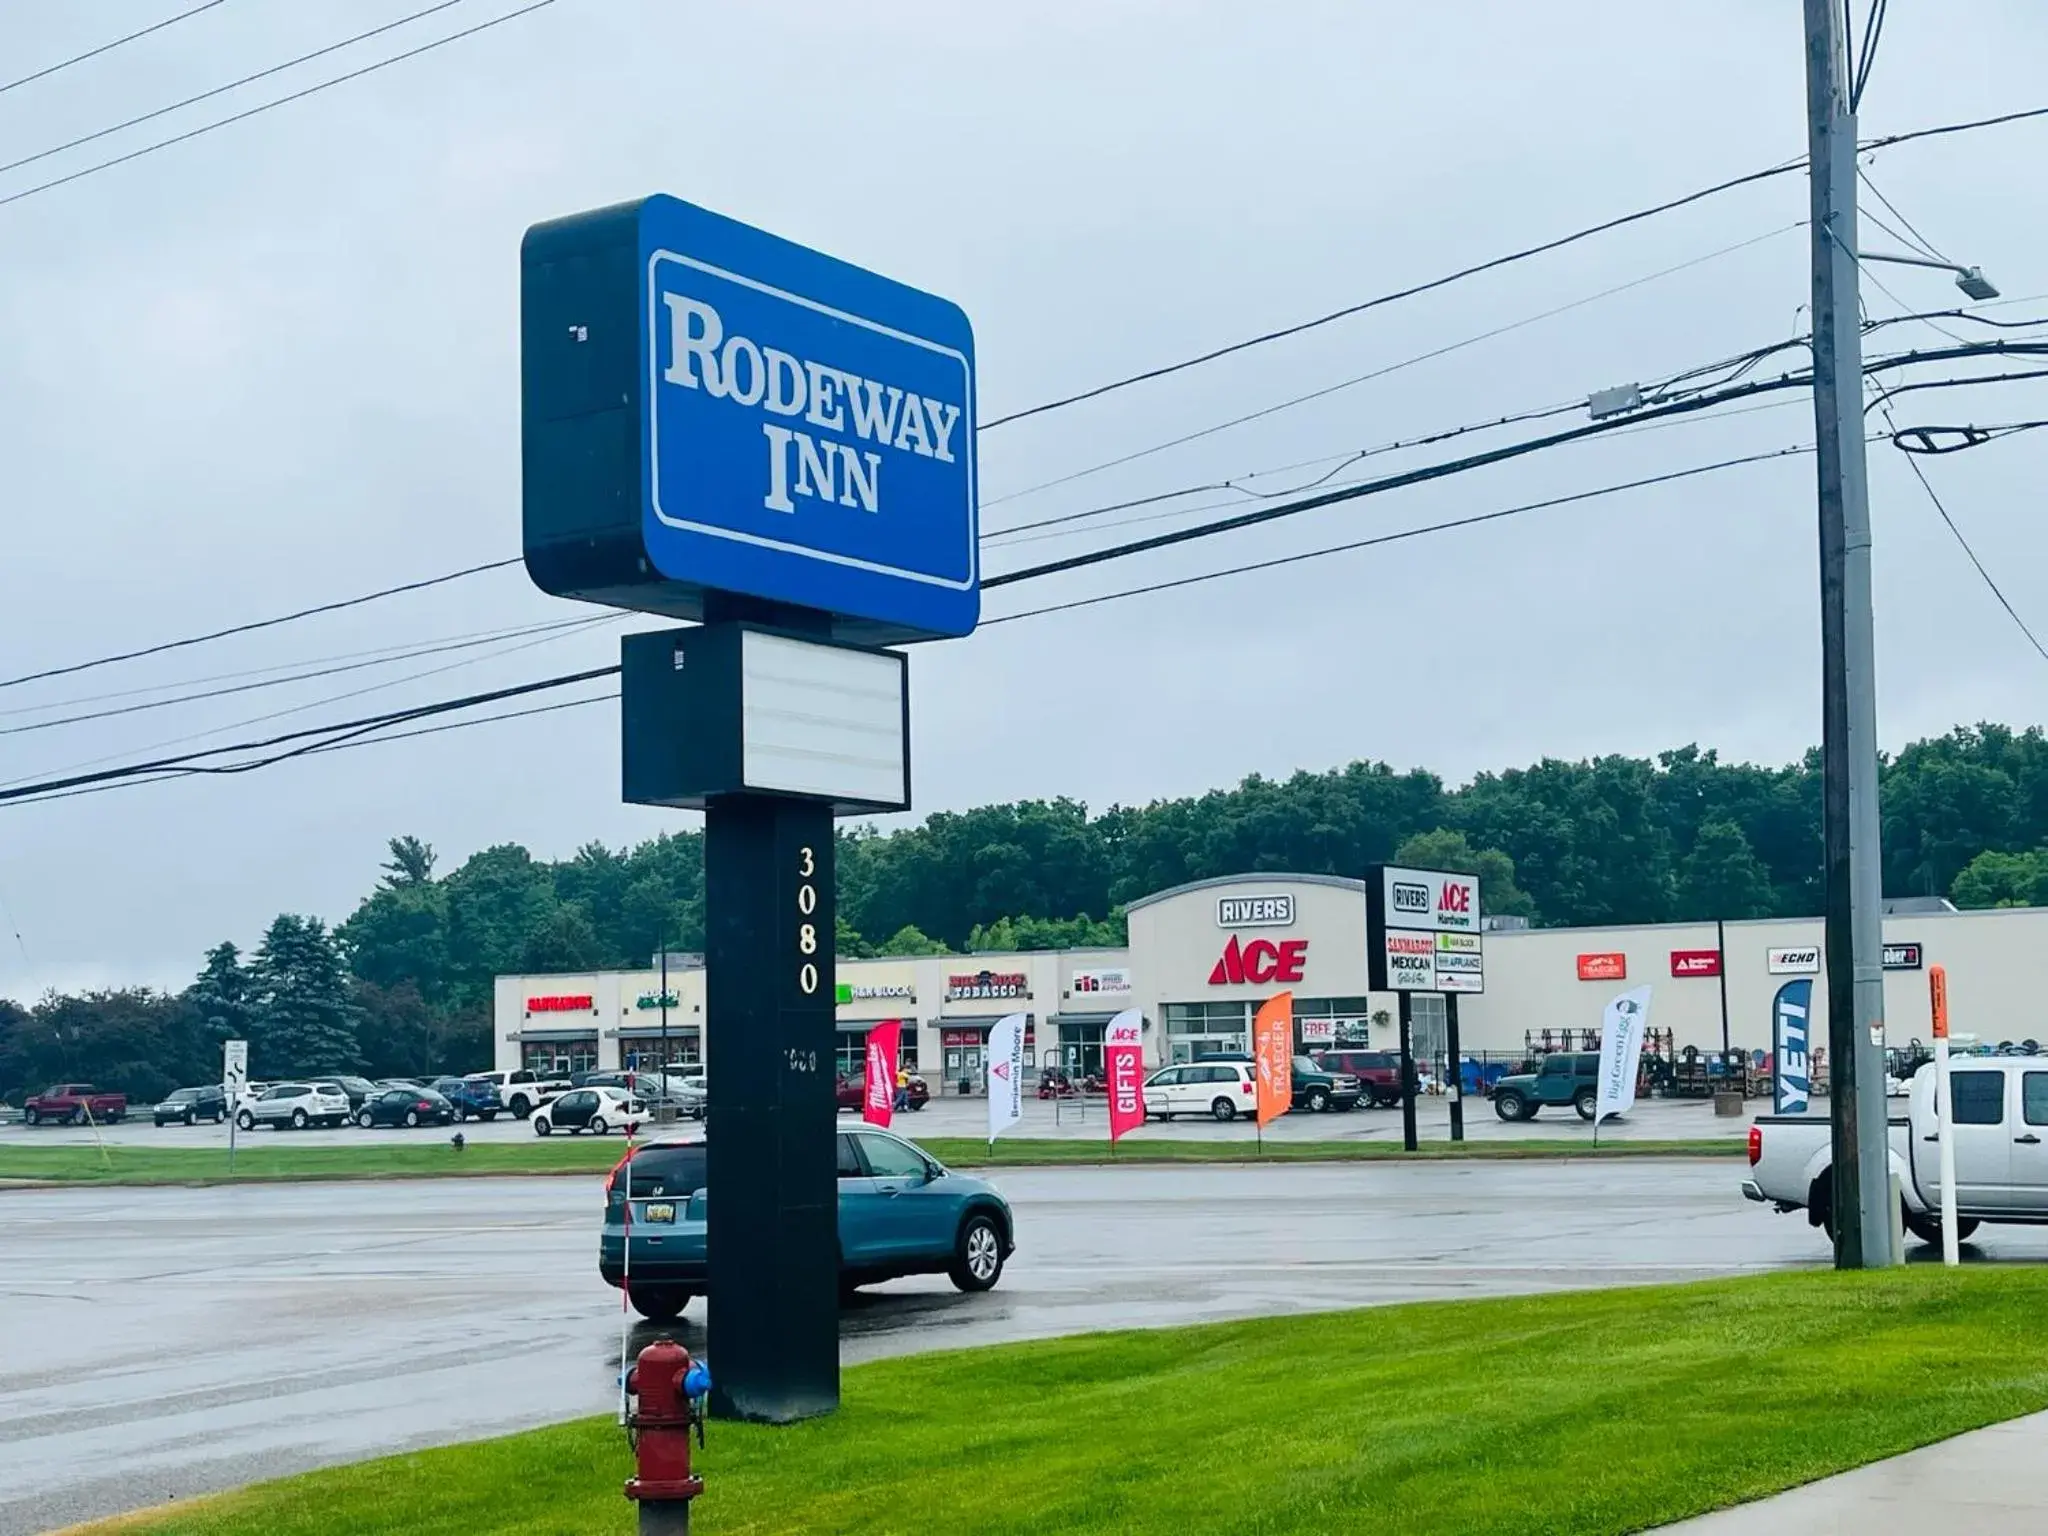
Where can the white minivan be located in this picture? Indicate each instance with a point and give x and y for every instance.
(1221, 1090)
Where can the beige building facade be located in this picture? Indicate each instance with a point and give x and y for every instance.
(1203, 956)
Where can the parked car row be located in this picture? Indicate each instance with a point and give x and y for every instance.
(1225, 1085)
(599, 1103)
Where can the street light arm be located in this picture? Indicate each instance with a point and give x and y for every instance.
(1914, 261)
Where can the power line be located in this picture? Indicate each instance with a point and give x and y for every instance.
(1492, 264)
(569, 626)
(1873, 24)
(93, 53)
(411, 654)
(256, 624)
(397, 651)
(1400, 535)
(1504, 453)
(193, 762)
(1406, 362)
(1912, 236)
(1913, 463)
(1784, 167)
(262, 107)
(335, 734)
(1914, 135)
(221, 90)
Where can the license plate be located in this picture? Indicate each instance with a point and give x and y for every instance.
(662, 1212)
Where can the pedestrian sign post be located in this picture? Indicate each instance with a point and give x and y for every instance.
(234, 1078)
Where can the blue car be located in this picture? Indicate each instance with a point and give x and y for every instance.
(474, 1098)
(901, 1212)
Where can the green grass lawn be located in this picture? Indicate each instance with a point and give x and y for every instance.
(273, 1155)
(1586, 1413)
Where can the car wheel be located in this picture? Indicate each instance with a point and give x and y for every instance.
(1318, 1101)
(77, 1117)
(220, 1116)
(541, 1126)
(1927, 1227)
(1585, 1101)
(412, 1119)
(598, 1126)
(487, 1115)
(366, 1120)
(1511, 1106)
(246, 1121)
(32, 1117)
(521, 1107)
(1223, 1109)
(298, 1120)
(658, 1303)
(978, 1258)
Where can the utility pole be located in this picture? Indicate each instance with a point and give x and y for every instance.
(1849, 815)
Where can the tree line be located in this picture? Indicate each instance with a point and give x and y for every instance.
(404, 983)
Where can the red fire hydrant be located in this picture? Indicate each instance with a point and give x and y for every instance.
(659, 1429)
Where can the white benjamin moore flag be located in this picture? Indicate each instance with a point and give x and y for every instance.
(1005, 1074)
(1621, 1052)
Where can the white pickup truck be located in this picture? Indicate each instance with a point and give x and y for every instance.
(523, 1091)
(2001, 1145)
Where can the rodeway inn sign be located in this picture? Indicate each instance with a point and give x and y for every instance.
(711, 405)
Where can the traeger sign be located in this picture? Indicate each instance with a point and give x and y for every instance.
(1422, 931)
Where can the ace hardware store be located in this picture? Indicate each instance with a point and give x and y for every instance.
(1201, 958)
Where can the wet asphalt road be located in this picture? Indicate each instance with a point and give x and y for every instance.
(211, 1337)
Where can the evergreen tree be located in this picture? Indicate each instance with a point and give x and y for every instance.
(219, 995)
(411, 863)
(305, 1018)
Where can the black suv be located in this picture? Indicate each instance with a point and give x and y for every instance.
(189, 1106)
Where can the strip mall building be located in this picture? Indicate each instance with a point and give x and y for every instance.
(1202, 957)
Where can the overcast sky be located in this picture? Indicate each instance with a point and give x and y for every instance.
(278, 365)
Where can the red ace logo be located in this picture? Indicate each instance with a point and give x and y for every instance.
(1259, 962)
(1456, 899)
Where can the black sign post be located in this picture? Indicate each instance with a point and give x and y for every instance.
(773, 1216)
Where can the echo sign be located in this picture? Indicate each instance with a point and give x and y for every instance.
(809, 432)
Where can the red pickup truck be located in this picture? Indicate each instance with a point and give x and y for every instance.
(74, 1104)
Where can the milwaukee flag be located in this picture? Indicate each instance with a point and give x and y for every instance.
(1005, 1074)
(878, 1097)
(1123, 1064)
(1273, 1049)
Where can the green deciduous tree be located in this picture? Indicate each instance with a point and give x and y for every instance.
(1499, 895)
(1994, 879)
(907, 942)
(1722, 877)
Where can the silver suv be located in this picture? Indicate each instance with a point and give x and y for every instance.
(297, 1105)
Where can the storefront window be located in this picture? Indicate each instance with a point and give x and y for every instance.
(559, 1058)
(681, 1051)
(850, 1057)
(1200, 1029)
(1321, 1023)
(1081, 1049)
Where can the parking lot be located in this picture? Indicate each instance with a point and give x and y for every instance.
(1079, 1119)
(202, 1338)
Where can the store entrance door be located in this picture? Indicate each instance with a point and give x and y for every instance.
(963, 1065)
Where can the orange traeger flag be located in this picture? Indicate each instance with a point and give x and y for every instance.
(1273, 1047)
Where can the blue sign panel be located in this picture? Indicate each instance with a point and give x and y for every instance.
(1792, 1061)
(808, 427)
